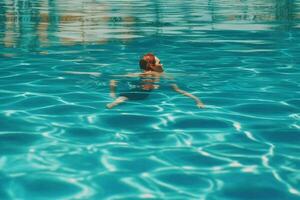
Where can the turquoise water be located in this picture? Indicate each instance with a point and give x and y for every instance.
(58, 141)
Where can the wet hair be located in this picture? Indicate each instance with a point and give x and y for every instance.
(146, 61)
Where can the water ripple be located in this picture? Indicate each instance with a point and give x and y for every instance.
(59, 141)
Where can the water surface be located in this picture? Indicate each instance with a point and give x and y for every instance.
(58, 141)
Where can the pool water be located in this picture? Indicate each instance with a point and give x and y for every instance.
(59, 141)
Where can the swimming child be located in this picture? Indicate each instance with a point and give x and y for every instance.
(152, 70)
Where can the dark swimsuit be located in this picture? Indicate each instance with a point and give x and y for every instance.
(136, 91)
(136, 95)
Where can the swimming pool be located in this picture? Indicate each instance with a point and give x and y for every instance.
(58, 141)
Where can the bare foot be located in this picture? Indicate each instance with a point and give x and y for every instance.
(200, 105)
(109, 105)
(118, 101)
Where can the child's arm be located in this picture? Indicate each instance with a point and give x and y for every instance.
(112, 86)
(185, 93)
(116, 101)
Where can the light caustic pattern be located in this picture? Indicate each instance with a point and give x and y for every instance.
(58, 140)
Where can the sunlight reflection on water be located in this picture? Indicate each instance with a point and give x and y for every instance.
(57, 140)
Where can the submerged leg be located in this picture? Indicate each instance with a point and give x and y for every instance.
(116, 102)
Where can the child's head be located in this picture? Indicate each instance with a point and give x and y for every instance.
(149, 62)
